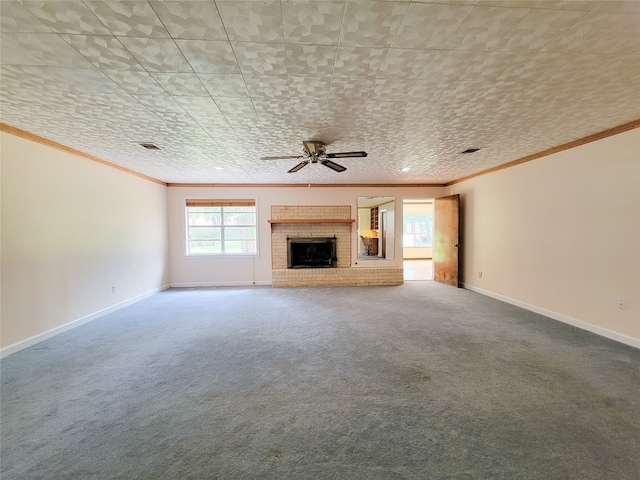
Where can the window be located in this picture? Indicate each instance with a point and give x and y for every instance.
(221, 227)
(417, 229)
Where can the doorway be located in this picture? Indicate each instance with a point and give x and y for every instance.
(417, 238)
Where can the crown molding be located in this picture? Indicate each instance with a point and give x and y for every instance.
(550, 151)
(58, 146)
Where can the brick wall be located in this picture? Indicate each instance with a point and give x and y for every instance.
(310, 212)
(310, 277)
(344, 274)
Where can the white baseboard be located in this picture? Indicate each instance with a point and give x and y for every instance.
(247, 283)
(6, 351)
(633, 342)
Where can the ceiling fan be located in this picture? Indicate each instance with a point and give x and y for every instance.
(315, 152)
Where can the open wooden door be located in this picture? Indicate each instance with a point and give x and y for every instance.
(446, 239)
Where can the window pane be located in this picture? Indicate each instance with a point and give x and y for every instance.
(240, 246)
(205, 233)
(240, 209)
(420, 227)
(204, 218)
(423, 240)
(407, 240)
(417, 229)
(204, 209)
(239, 218)
(204, 247)
(240, 233)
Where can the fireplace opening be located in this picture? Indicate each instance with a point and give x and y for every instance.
(316, 252)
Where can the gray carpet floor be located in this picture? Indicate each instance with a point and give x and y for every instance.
(418, 381)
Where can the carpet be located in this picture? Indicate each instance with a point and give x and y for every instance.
(417, 381)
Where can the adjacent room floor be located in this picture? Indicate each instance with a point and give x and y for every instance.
(417, 381)
(418, 269)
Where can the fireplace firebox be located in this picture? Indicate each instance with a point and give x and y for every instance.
(312, 252)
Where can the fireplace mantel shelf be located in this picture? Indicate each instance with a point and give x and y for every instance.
(314, 220)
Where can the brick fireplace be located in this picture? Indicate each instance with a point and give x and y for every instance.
(311, 222)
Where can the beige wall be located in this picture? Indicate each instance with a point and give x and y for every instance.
(561, 234)
(189, 271)
(71, 229)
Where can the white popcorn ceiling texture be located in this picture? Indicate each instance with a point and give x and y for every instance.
(218, 84)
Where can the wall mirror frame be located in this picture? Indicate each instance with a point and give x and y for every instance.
(376, 228)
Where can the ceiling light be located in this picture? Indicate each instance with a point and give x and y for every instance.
(405, 169)
(470, 150)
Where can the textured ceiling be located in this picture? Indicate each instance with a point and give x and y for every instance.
(218, 84)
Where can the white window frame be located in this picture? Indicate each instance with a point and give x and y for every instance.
(221, 204)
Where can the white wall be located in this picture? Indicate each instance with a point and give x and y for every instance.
(71, 229)
(192, 271)
(561, 234)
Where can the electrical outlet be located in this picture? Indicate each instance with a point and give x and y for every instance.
(622, 304)
(113, 289)
(479, 274)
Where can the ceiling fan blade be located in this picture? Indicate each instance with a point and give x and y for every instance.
(280, 158)
(346, 154)
(334, 166)
(298, 167)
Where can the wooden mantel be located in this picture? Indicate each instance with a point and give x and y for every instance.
(314, 220)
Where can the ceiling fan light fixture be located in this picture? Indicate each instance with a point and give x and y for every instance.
(313, 147)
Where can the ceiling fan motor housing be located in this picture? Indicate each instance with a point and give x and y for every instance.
(314, 148)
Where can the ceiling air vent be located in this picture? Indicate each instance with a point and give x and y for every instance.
(149, 146)
(470, 150)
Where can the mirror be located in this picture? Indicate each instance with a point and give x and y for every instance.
(376, 228)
